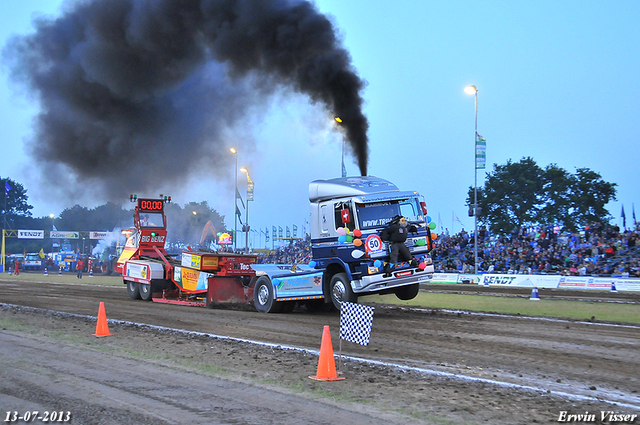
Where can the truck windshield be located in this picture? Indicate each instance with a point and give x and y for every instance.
(376, 215)
(151, 220)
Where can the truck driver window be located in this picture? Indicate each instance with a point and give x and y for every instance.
(411, 210)
(344, 215)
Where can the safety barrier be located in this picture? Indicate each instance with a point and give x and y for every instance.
(540, 281)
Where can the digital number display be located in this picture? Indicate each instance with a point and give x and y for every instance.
(150, 204)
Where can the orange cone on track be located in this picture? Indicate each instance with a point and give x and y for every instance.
(326, 362)
(102, 328)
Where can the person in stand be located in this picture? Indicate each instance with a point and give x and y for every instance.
(79, 266)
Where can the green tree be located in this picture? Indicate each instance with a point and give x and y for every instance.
(185, 225)
(76, 218)
(521, 194)
(590, 195)
(109, 216)
(15, 207)
(511, 196)
(557, 195)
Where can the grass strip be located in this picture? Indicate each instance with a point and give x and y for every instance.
(576, 310)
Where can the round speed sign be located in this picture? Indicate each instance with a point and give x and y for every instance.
(373, 243)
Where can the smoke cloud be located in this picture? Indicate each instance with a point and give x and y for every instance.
(137, 92)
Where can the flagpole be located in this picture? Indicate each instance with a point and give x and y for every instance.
(4, 226)
(344, 170)
(235, 202)
(4, 216)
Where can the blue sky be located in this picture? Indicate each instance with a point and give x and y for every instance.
(557, 82)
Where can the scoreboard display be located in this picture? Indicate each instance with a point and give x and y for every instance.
(150, 205)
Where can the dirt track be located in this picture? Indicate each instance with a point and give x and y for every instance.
(156, 375)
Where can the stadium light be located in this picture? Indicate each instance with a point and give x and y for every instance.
(470, 90)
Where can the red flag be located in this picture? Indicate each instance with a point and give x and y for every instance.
(346, 217)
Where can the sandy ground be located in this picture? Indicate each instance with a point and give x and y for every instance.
(176, 364)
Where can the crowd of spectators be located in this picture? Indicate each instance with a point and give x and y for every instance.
(298, 252)
(598, 250)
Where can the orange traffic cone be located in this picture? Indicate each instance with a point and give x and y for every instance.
(326, 362)
(102, 328)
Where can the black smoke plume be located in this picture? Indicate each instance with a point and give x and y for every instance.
(137, 92)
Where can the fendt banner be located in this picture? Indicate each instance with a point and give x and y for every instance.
(30, 234)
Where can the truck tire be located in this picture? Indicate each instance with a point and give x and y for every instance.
(340, 290)
(408, 292)
(263, 296)
(133, 289)
(145, 291)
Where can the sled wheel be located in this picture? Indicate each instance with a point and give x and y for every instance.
(134, 290)
(145, 291)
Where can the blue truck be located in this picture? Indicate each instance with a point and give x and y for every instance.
(350, 258)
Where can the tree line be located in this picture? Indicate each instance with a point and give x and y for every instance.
(519, 194)
(185, 223)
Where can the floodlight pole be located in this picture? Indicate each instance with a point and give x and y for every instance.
(474, 91)
(475, 189)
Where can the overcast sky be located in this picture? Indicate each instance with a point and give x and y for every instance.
(557, 81)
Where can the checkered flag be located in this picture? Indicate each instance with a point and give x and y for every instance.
(355, 322)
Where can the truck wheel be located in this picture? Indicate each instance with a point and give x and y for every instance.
(408, 292)
(340, 290)
(263, 296)
(134, 290)
(145, 291)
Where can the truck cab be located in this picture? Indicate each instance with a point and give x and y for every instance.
(347, 216)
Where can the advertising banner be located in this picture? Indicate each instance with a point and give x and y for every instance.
(191, 260)
(192, 280)
(574, 281)
(139, 271)
(30, 234)
(445, 278)
(100, 235)
(225, 239)
(562, 282)
(64, 235)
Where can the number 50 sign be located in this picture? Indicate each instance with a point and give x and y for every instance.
(373, 244)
